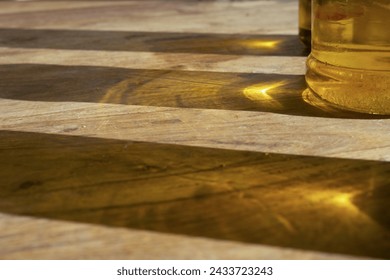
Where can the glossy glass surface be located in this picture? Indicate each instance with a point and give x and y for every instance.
(349, 65)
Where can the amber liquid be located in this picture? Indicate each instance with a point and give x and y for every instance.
(349, 65)
(305, 22)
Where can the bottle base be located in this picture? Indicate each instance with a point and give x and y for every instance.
(363, 91)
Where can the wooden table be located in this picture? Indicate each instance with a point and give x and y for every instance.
(178, 130)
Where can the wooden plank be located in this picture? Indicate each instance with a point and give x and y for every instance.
(253, 17)
(130, 131)
(32, 238)
(237, 130)
(279, 200)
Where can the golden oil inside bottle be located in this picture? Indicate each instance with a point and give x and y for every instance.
(305, 22)
(349, 65)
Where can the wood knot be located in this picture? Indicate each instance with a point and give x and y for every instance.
(28, 184)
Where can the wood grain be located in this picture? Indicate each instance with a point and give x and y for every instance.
(25, 239)
(227, 17)
(281, 200)
(178, 130)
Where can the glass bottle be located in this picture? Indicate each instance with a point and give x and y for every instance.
(349, 64)
(305, 22)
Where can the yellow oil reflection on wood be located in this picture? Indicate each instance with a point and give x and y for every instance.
(336, 198)
(265, 92)
(263, 44)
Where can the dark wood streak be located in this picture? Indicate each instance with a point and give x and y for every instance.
(166, 88)
(332, 205)
(200, 43)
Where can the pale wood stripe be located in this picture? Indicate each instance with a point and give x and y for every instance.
(67, 240)
(239, 130)
(149, 60)
(239, 17)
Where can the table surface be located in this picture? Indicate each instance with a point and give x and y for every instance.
(178, 130)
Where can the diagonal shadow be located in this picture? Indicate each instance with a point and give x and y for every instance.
(330, 205)
(199, 43)
(168, 88)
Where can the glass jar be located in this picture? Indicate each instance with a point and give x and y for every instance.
(349, 64)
